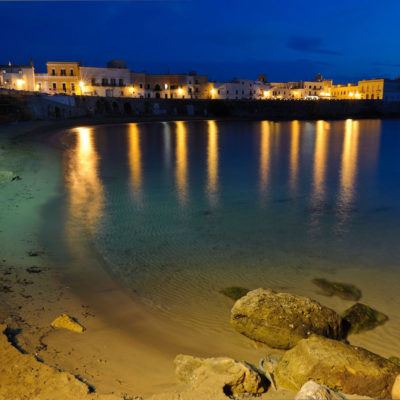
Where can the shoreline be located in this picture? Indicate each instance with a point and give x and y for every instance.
(110, 369)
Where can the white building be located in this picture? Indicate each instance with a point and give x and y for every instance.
(17, 77)
(107, 82)
(239, 89)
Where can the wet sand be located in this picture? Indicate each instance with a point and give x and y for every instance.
(127, 348)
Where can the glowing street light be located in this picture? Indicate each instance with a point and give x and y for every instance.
(20, 82)
(212, 92)
(266, 93)
(180, 91)
(82, 86)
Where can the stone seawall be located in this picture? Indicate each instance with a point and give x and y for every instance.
(33, 106)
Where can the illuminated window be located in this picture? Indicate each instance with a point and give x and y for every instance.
(54, 86)
(64, 86)
(53, 72)
(71, 72)
(63, 72)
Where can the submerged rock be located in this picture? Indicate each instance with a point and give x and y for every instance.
(395, 360)
(234, 292)
(360, 317)
(66, 322)
(345, 291)
(313, 391)
(340, 366)
(223, 375)
(280, 319)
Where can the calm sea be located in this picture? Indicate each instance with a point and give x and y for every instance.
(180, 210)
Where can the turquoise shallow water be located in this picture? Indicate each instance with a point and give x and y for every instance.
(179, 210)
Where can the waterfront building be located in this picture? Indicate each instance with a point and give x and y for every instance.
(111, 81)
(17, 77)
(62, 77)
(240, 89)
(371, 89)
(172, 86)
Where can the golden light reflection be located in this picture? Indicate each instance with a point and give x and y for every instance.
(135, 161)
(85, 190)
(349, 166)
(320, 158)
(212, 162)
(294, 154)
(265, 156)
(167, 143)
(181, 161)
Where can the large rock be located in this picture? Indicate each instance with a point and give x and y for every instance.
(313, 391)
(281, 319)
(361, 317)
(223, 375)
(345, 368)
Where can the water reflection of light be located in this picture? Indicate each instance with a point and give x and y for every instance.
(181, 161)
(348, 167)
(135, 161)
(86, 194)
(212, 162)
(167, 143)
(294, 154)
(265, 156)
(320, 156)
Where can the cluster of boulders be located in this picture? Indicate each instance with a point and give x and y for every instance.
(319, 363)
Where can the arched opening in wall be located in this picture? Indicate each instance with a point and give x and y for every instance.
(372, 96)
(367, 96)
(99, 109)
(157, 95)
(127, 108)
(49, 111)
(115, 107)
(107, 107)
(57, 112)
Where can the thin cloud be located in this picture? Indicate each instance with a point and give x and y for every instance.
(309, 45)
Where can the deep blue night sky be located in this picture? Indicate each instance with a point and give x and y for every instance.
(286, 39)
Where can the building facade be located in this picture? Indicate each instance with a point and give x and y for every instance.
(17, 77)
(62, 77)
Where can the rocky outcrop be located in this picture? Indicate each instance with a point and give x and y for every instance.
(224, 376)
(361, 317)
(23, 377)
(66, 322)
(340, 366)
(345, 291)
(313, 391)
(280, 319)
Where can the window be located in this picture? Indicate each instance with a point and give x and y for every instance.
(53, 72)
(64, 86)
(71, 72)
(104, 81)
(121, 82)
(196, 82)
(190, 82)
(93, 81)
(141, 86)
(39, 85)
(73, 87)
(242, 91)
(63, 72)
(227, 92)
(122, 93)
(166, 95)
(148, 86)
(197, 90)
(20, 71)
(219, 92)
(237, 91)
(190, 90)
(54, 86)
(112, 81)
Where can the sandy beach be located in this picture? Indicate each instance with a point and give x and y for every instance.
(127, 349)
